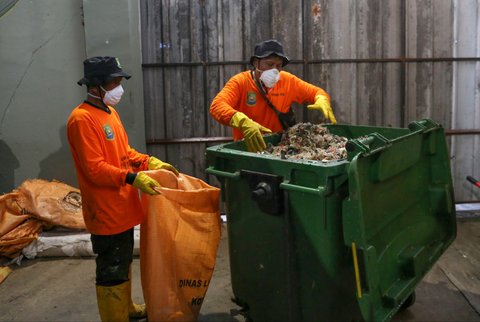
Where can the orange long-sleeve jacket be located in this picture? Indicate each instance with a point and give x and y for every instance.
(102, 156)
(241, 94)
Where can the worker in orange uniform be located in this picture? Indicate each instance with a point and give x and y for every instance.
(109, 173)
(258, 100)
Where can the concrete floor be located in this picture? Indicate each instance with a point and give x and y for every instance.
(62, 289)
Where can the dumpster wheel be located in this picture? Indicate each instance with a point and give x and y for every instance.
(408, 302)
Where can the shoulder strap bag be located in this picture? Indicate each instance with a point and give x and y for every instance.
(286, 119)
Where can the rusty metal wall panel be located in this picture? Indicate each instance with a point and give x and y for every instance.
(330, 37)
(429, 34)
(214, 75)
(365, 54)
(362, 93)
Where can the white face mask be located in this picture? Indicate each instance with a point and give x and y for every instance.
(112, 97)
(270, 77)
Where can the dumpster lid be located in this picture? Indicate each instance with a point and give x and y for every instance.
(399, 216)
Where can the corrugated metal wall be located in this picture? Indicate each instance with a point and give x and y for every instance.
(385, 62)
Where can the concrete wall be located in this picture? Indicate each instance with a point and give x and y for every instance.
(42, 46)
(112, 28)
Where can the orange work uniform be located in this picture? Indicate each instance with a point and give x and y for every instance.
(102, 156)
(241, 94)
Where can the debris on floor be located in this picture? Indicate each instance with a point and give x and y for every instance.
(309, 142)
(62, 242)
(4, 272)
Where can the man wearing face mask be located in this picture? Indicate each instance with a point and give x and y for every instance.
(242, 105)
(109, 173)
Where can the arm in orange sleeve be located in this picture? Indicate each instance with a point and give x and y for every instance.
(138, 161)
(317, 98)
(223, 105)
(306, 92)
(84, 142)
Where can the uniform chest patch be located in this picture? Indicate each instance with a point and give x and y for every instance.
(108, 132)
(251, 98)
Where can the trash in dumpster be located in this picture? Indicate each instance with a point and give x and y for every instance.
(309, 142)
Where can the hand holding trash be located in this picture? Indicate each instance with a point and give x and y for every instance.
(322, 103)
(252, 131)
(156, 164)
(146, 184)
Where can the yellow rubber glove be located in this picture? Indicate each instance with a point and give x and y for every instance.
(323, 104)
(145, 183)
(252, 131)
(156, 164)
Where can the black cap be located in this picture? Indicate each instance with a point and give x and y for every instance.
(267, 48)
(100, 70)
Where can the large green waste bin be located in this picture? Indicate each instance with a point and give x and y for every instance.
(342, 241)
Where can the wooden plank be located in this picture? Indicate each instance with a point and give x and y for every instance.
(288, 28)
(232, 21)
(214, 74)
(151, 31)
(392, 38)
(369, 76)
(341, 79)
(257, 24)
(154, 105)
(419, 75)
(231, 16)
(332, 34)
(443, 20)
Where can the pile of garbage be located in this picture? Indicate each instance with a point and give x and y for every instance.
(309, 142)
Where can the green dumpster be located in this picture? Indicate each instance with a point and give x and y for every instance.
(346, 240)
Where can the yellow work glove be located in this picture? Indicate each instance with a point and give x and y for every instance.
(145, 183)
(156, 164)
(252, 131)
(323, 104)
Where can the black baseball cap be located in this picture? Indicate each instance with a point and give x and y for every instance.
(100, 70)
(267, 48)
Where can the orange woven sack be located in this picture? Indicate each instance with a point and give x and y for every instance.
(35, 205)
(54, 202)
(178, 245)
